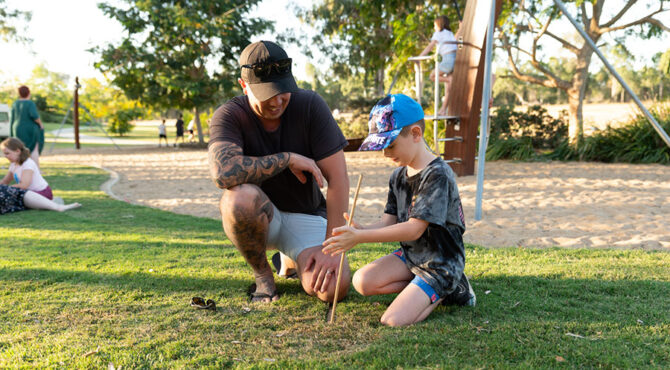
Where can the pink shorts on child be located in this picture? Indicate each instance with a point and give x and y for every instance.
(46, 192)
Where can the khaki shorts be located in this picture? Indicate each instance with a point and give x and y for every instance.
(292, 233)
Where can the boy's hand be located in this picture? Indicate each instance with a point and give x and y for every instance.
(344, 238)
(353, 223)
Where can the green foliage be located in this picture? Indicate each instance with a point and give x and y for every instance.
(536, 136)
(635, 142)
(109, 285)
(366, 37)
(664, 63)
(519, 135)
(8, 29)
(163, 59)
(119, 121)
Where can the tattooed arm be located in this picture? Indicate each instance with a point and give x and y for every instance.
(229, 167)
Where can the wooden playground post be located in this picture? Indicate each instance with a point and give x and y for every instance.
(76, 112)
(465, 93)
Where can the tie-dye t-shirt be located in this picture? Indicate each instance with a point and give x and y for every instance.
(438, 256)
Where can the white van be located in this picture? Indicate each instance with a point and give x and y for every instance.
(4, 121)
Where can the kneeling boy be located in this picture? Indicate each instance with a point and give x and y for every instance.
(423, 212)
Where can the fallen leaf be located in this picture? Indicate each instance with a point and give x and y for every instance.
(92, 352)
(560, 359)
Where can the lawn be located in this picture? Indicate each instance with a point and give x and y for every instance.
(142, 132)
(110, 283)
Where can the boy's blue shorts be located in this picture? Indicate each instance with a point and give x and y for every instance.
(418, 281)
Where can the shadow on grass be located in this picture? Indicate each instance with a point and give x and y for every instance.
(160, 283)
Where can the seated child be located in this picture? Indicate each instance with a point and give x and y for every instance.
(22, 169)
(423, 212)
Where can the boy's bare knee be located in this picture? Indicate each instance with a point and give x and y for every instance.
(393, 320)
(361, 283)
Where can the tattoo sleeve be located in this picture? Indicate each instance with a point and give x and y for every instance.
(228, 166)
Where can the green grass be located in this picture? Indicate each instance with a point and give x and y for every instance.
(118, 278)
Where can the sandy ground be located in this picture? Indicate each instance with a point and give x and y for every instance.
(591, 205)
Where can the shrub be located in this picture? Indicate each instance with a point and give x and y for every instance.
(119, 121)
(635, 142)
(520, 135)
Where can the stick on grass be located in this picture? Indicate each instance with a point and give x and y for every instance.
(339, 270)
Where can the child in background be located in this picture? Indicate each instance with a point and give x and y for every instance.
(423, 212)
(22, 169)
(446, 42)
(162, 134)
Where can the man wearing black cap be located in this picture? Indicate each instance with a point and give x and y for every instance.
(271, 150)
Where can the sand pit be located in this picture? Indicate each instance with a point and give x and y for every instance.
(589, 205)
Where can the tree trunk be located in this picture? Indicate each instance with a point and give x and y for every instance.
(201, 138)
(576, 94)
(379, 82)
(576, 121)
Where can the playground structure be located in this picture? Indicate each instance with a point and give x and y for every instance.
(471, 88)
(74, 107)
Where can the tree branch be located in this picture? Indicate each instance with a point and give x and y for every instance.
(646, 19)
(550, 81)
(618, 16)
(563, 42)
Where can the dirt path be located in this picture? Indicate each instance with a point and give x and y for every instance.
(591, 205)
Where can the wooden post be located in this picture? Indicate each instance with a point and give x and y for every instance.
(465, 93)
(76, 113)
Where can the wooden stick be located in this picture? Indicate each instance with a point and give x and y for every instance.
(339, 270)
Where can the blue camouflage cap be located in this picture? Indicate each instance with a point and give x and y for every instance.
(387, 118)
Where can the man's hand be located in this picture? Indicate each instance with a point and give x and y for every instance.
(324, 270)
(344, 238)
(299, 164)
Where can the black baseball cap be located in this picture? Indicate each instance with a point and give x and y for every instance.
(266, 68)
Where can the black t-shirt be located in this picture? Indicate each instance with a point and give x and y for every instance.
(180, 126)
(307, 128)
(438, 256)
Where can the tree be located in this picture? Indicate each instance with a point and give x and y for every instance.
(8, 30)
(170, 48)
(52, 86)
(529, 23)
(365, 37)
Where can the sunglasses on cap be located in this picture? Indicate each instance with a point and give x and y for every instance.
(264, 69)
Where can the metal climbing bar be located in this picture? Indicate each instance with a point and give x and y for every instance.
(484, 117)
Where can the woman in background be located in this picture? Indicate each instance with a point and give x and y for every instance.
(26, 124)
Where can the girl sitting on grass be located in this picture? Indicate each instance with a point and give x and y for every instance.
(30, 190)
(23, 169)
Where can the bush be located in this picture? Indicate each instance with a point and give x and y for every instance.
(119, 121)
(528, 136)
(521, 135)
(635, 142)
